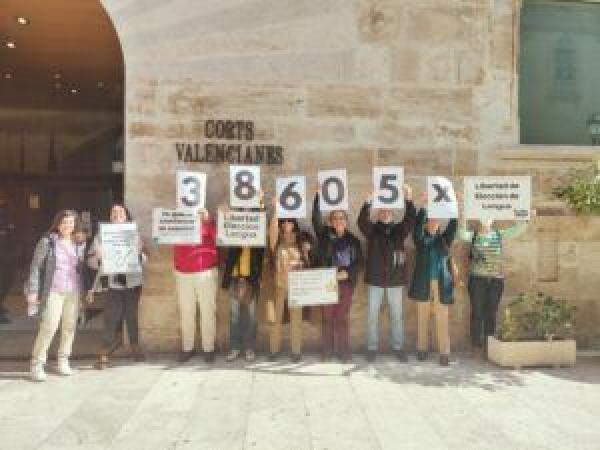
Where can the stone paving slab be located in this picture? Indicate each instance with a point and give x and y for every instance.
(310, 405)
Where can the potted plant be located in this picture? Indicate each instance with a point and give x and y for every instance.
(535, 330)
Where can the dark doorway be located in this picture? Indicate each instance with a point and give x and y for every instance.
(61, 134)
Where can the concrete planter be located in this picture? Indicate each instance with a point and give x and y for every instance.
(532, 353)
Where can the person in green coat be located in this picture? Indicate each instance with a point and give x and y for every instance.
(432, 284)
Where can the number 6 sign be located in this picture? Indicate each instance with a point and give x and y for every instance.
(291, 197)
(387, 188)
(191, 190)
(244, 186)
(334, 190)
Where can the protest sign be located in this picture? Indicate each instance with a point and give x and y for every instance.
(191, 190)
(244, 186)
(241, 229)
(334, 190)
(387, 187)
(312, 287)
(291, 197)
(176, 226)
(120, 248)
(441, 199)
(497, 197)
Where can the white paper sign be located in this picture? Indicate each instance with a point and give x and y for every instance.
(191, 190)
(241, 229)
(387, 187)
(120, 252)
(176, 226)
(312, 287)
(291, 197)
(244, 186)
(441, 199)
(498, 198)
(334, 190)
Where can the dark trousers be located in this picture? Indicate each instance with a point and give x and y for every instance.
(485, 294)
(6, 278)
(335, 332)
(242, 327)
(121, 305)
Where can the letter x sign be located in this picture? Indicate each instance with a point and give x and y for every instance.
(441, 199)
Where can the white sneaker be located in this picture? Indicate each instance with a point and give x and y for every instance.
(233, 354)
(37, 372)
(250, 355)
(63, 367)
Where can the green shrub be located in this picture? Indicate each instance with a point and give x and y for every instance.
(536, 317)
(582, 192)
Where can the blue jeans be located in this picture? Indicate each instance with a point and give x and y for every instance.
(242, 328)
(394, 299)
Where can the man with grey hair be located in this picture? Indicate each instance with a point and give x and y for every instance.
(385, 269)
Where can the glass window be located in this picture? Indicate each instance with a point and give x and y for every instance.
(559, 85)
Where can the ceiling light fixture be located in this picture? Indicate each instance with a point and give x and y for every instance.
(11, 44)
(22, 20)
(74, 91)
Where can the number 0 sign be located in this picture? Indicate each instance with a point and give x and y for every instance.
(334, 190)
(191, 190)
(387, 188)
(244, 185)
(291, 197)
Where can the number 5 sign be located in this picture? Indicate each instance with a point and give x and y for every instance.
(334, 190)
(387, 187)
(191, 190)
(291, 197)
(244, 186)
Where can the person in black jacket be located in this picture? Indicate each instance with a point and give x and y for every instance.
(385, 269)
(340, 249)
(241, 276)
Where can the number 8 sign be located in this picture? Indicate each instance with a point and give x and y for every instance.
(244, 186)
(291, 197)
(191, 189)
(387, 188)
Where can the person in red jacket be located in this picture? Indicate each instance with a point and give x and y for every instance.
(196, 274)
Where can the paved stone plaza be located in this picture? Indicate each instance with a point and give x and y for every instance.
(311, 405)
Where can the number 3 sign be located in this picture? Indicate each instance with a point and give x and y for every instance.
(334, 190)
(387, 188)
(291, 197)
(244, 186)
(191, 190)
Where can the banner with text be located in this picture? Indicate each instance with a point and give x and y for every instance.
(176, 226)
(120, 248)
(241, 229)
(498, 198)
(312, 287)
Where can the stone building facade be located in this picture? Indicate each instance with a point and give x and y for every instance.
(431, 85)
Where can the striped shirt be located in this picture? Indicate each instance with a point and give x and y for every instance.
(487, 256)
